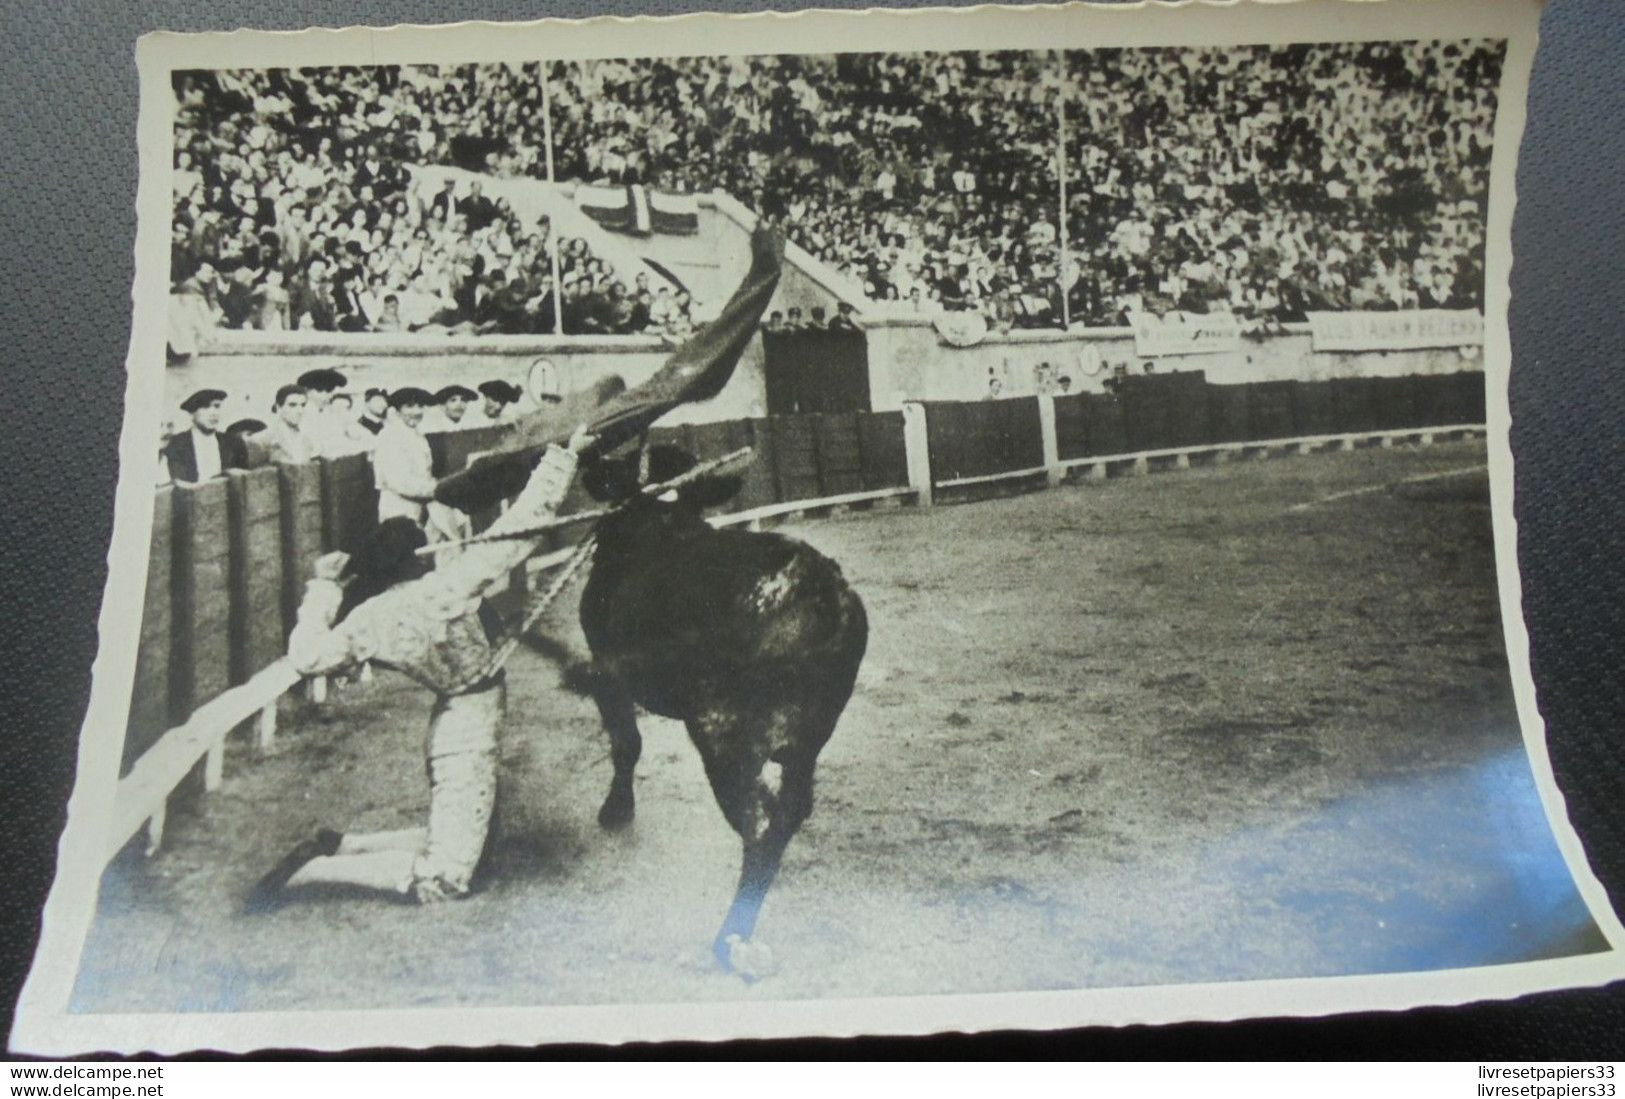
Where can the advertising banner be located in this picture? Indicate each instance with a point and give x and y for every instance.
(1185, 333)
(1396, 331)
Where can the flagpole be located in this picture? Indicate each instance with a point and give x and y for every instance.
(553, 232)
(1060, 167)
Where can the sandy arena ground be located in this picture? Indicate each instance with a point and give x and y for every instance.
(1163, 729)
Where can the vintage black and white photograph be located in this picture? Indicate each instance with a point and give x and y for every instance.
(856, 522)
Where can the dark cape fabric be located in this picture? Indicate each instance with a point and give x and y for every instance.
(697, 371)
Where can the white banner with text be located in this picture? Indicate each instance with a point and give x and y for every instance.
(1402, 330)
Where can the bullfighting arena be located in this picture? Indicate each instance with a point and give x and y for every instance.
(1236, 722)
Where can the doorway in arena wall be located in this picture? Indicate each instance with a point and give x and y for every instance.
(814, 371)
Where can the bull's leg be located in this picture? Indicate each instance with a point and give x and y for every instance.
(625, 746)
(784, 811)
(762, 776)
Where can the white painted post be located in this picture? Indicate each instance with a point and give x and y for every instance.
(1182, 460)
(1053, 473)
(155, 827)
(265, 727)
(318, 689)
(214, 764)
(917, 446)
(1142, 465)
(1345, 443)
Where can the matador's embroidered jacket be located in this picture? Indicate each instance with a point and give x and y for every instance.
(430, 628)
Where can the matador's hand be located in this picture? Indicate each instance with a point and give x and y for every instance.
(330, 566)
(580, 441)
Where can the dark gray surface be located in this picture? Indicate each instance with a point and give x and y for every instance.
(68, 85)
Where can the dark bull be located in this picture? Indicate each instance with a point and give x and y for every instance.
(752, 640)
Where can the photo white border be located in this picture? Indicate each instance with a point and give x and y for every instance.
(43, 1023)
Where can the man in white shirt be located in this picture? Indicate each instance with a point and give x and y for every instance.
(401, 462)
(329, 435)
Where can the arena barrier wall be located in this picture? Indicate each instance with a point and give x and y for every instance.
(229, 557)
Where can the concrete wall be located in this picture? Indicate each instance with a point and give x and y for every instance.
(909, 361)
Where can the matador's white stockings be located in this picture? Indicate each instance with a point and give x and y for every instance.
(437, 862)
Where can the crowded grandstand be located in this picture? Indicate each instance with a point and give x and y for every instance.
(1263, 181)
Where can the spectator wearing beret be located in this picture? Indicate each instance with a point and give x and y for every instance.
(453, 401)
(204, 452)
(402, 465)
(443, 523)
(499, 395)
(374, 408)
(248, 430)
(325, 426)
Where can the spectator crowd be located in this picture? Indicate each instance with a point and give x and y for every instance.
(294, 208)
(1264, 180)
(1273, 181)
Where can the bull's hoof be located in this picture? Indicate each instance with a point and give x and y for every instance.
(617, 812)
(746, 959)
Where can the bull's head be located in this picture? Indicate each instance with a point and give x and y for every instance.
(616, 480)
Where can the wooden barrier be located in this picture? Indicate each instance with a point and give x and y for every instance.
(1229, 419)
(302, 537)
(974, 440)
(1101, 466)
(149, 696)
(1103, 424)
(200, 598)
(1151, 407)
(1467, 398)
(258, 600)
(1269, 410)
(1314, 409)
(143, 794)
(840, 453)
(793, 453)
(883, 452)
(758, 486)
(349, 501)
